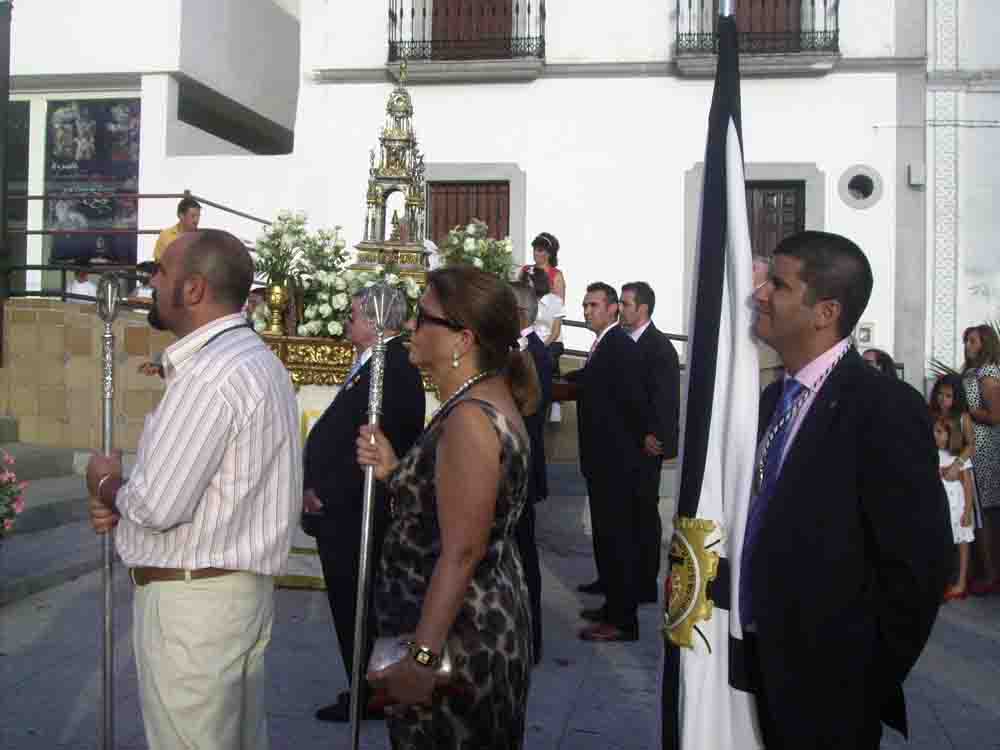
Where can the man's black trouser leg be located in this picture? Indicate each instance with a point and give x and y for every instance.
(614, 504)
(524, 534)
(650, 528)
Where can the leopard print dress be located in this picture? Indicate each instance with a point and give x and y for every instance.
(490, 641)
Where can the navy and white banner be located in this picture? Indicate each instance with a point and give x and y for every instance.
(701, 708)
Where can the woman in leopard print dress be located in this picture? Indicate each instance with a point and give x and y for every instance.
(450, 572)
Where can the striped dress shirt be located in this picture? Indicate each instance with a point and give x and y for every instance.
(218, 474)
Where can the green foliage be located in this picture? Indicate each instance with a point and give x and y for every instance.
(471, 244)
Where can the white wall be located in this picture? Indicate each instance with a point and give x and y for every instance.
(979, 186)
(977, 34)
(623, 31)
(247, 50)
(604, 158)
(867, 28)
(97, 36)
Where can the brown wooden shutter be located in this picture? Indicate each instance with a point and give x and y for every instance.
(457, 203)
(780, 18)
(467, 29)
(775, 210)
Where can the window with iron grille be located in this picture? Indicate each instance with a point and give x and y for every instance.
(453, 204)
(466, 29)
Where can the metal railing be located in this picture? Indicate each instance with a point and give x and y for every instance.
(450, 30)
(765, 26)
(79, 264)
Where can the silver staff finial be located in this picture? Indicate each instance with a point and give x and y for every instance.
(726, 7)
(108, 297)
(379, 302)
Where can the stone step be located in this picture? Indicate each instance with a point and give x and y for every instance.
(52, 502)
(39, 461)
(39, 561)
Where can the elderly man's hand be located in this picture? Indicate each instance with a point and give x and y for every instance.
(102, 518)
(101, 466)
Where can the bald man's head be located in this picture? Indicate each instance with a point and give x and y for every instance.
(222, 260)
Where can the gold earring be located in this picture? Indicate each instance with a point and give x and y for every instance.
(454, 360)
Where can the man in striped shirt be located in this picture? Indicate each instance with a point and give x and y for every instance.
(205, 520)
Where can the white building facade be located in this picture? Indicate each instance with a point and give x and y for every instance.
(595, 123)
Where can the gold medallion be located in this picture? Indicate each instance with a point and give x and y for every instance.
(692, 569)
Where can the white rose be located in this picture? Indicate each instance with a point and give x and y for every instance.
(477, 262)
(300, 216)
(339, 284)
(379, 269)
(340, 301)
(310, 312)
(508, 245)
(369, 284)
(470, 230)
(323, 296)
(284, 214)
(259, 326)
(303, 330)
(470, 245)
(325, 310)
(314, 327)
(392, 279)
(412, 292)
(334, 328)
(350, 276)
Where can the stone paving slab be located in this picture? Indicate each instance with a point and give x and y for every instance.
(583, 696)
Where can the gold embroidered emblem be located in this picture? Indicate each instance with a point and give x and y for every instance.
(692, 568)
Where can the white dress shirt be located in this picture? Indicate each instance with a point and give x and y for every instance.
(218, 474)
(636, 333)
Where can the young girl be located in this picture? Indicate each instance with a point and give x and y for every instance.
(948, 401)
(949, 440)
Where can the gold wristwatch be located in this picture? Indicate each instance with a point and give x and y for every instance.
(424, 656)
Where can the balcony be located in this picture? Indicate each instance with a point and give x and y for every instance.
(776, 37)
(462, 40)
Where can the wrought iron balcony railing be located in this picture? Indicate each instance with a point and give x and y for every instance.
(766, 27)
(443, 30)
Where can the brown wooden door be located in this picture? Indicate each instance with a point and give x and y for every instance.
(775, 210)
(471, 29)
(457, 203)
(775, 25)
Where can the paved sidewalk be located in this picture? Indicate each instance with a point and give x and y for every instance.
(583, 696)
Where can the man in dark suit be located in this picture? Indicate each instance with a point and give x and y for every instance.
(538, 489)
(610, 405)
(661, 376)
(847, 545)
(334, 483)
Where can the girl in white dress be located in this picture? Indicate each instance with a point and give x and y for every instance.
(950, 442)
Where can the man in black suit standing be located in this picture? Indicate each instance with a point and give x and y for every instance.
(611, 424)
(661, 376)
(847, 544)
(334, 483)
(538, 488)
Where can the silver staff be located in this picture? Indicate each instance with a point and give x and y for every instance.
(379, 302)
(108, 296)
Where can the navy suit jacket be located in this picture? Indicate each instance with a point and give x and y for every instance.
(661, 373)
(538, 485)
(611, 409)
(851, 560)
(331, 464)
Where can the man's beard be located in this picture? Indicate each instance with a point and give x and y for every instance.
(153, 316)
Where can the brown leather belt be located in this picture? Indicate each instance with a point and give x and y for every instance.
(141, 576)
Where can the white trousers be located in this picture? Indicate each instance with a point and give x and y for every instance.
(199, 651)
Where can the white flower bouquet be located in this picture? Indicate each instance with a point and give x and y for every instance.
(472, 244)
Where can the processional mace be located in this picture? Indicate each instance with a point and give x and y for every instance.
(108, 297)
(380, 300)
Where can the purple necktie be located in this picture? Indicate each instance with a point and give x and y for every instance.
(774, 445)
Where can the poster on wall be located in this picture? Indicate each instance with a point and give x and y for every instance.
(92, 154)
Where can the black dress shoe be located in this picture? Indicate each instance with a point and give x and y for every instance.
(595, 587)
(340, 711)
(595, 614)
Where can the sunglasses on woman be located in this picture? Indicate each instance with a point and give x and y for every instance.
(425, 317)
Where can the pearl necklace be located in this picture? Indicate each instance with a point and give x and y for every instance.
(462, 390)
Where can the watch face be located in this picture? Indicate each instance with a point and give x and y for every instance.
(423, 658)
